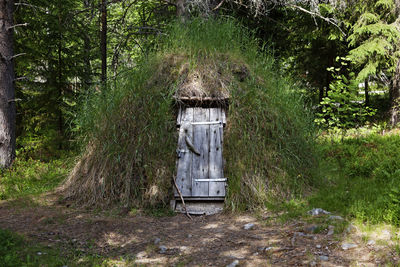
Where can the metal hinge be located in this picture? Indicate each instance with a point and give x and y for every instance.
(206, 122)
(211, 180)
(180, 151)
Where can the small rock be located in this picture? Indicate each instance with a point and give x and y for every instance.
(255, 254)
(335, 217)
(189, 236)
(141, 255)
(318, 246)
(351, 228)
(347, 246)
(331, 230)
(233, 264)
(311, 229)
(323, 258)
(385, 235)
(248, 226)
(163, 249)
(317, 211)
(371, 242)
(313, 263)
(39, 253)
(183, 248)
(299, 234)
(157, 240)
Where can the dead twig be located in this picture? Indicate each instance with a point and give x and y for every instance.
(219, 5)
(183, 201)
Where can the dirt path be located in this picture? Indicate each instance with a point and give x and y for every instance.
(216, 240)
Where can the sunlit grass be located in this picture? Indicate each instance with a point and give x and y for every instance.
(32, 177)
(360, 178)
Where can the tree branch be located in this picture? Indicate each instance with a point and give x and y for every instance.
(315, 14)
(17, 55)
(17, 25)
(29, 5)
(218, 6)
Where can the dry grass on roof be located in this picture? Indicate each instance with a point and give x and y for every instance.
(202, 77)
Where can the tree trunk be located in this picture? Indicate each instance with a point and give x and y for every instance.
(87, 73)
(103, 41)
(366, 90)
(395, 97)
(395, 86)
(321, 94)
(7, 94)
(60, 79)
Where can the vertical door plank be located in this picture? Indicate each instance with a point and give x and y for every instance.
(216, 189)
(201, 135)
(180, 116)
(183, 175)
(223, 115)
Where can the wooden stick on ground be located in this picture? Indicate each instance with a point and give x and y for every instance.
(183, 201)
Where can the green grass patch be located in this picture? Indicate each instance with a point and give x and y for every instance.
(16, 251)
(360, 178)
(32, 177)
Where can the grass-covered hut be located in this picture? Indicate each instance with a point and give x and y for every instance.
(128, 131)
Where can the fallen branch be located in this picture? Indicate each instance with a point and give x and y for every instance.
(183, 201)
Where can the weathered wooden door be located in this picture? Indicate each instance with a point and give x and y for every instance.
(200, 163)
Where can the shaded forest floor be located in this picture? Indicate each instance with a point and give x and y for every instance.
(134, 239)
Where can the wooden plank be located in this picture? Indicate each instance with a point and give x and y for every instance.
(216, 189)
(179, 117)
(201, 135)
(223, 115)
(183, 175)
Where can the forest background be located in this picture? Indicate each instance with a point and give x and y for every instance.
(341, 52)
(342, 57)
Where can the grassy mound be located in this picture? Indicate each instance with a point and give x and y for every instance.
(129, 135)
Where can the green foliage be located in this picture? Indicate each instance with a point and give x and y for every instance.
(373, 38)
(32, 177)
(340, 109)
(361, 178)
(307, 46)
(128, 135)
(53, 67)
(9, 243)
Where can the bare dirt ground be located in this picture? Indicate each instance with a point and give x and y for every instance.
(216, 240)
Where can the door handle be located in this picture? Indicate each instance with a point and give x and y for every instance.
(190, 145)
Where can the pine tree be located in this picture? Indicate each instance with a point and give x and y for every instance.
(373, 38)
